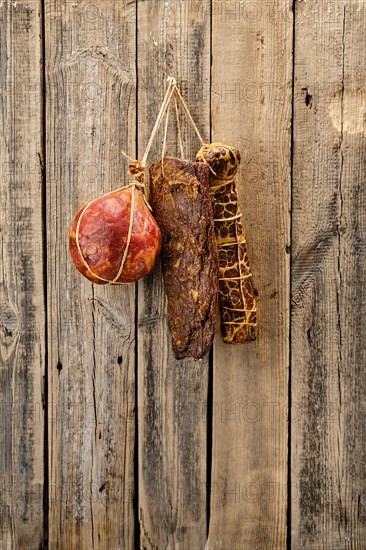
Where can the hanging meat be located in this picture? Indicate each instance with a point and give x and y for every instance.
(114, 238)
(237, 296)
(180, 199)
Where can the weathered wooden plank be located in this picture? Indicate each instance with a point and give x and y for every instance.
(22, 312)
(90, 53)
(251, 109)
(328, 297)
(173, 39)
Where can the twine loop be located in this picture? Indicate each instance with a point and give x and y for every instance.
(136, 170)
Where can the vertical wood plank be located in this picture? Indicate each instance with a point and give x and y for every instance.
(173, 39)
(328, 321)
(22, 312)
(251, 109)
(90, 53)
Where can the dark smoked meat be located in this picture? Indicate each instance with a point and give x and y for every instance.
(237, 295)
(182, 207)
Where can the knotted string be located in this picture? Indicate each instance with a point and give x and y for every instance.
(137, 171)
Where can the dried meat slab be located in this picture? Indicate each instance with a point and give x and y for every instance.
(181, 203)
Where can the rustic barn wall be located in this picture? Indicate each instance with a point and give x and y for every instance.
(251, 107)
(172, 395)
(328, 291)
(106, 441)
(90, 51)
(22, 298)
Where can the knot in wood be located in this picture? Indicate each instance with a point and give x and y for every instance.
(8, 320)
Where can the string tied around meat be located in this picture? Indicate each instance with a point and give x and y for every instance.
(205, 149)
(136, 170)
(114, 281)
(136, 167)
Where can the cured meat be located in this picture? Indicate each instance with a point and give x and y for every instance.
(237, 296)
(114, 239)
(181, 204)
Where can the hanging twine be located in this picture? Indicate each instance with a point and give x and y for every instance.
(137, 172)
(185, 107)
(178, 127)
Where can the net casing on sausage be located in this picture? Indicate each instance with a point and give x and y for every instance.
(237, 296)
(181, 203)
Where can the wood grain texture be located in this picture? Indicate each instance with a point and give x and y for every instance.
(173, 39)
(22, 312)
(102, 55)
(90, 53)
(328, 297)
(251, 110)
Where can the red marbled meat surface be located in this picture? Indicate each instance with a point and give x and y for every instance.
(103, 235)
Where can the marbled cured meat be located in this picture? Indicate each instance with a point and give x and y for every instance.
(237, 296)
(182, 207)
(99, 244)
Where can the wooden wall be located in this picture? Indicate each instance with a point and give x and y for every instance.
(106, 441)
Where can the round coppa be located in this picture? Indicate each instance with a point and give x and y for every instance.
(103, 237)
